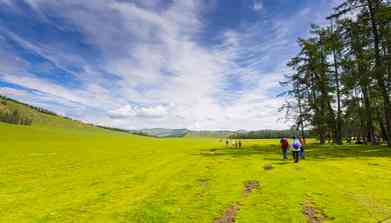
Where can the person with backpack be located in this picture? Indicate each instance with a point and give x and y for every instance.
(284, 148)
(296, 147)
(302, 142)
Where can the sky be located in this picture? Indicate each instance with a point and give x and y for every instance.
(133, 64)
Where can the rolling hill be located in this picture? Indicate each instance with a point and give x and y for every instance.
(38, 116)
(163, 133)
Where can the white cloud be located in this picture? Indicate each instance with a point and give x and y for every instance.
(12, 92)
(258, 5)
(128, 111)
(163, 76)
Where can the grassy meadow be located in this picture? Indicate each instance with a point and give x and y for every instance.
(50, 174)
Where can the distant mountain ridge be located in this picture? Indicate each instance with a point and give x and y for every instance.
(211, 133)
(162, 132)
(32, 115)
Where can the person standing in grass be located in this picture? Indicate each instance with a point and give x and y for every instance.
(284, 148)
(296, 147)
(302, 142)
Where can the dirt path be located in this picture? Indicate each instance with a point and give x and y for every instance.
(231, 212)
(313, 214)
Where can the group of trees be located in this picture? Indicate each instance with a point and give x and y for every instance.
(14, 118)
(341, 80)
(269, 134)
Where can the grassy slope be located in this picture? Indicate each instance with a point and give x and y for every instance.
(59, 175)
(39, 118)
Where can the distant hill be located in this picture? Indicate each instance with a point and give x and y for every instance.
(211, 134)
(240, 134)
(15, 112)
(162, 133)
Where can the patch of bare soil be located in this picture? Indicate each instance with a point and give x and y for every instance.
(313, 214)
(250, 186)
(230, 213)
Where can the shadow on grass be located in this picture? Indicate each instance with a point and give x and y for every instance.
(245, 151)
(313, 151)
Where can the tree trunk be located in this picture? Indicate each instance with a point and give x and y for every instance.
(322, 136)
(338, 127)
(369, 118)
(379, 67)
(383, 129)
(300, 125)
(327, 113)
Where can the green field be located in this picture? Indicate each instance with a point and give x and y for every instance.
(92, 175)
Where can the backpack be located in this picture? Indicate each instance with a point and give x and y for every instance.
(296, 146)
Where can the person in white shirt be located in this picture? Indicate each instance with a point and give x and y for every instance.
(296, 147)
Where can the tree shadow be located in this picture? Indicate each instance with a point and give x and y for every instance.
(312, 151)
(346, 151)
(244, 151)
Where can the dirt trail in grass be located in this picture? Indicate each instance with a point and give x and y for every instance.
(230, 213)
(313, 214)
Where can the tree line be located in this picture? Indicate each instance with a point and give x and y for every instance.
(38, 109)
(270, 134)
(340, 83)
(14, 118)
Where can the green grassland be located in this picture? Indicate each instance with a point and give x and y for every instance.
(50, 174)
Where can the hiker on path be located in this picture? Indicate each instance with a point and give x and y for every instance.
(296, 147)
(240, 144)
(302, 142)
(284, 148)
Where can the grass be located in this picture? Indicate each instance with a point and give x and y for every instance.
(92, 175)
(40, 119)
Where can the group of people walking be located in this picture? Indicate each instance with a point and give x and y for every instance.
(237, 144)
(297, 147)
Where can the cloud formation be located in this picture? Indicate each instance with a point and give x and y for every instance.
(150, 63)
(258, 5)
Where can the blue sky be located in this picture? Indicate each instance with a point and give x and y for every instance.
(198, 64)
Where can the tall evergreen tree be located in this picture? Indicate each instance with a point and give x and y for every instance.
(342, 76)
